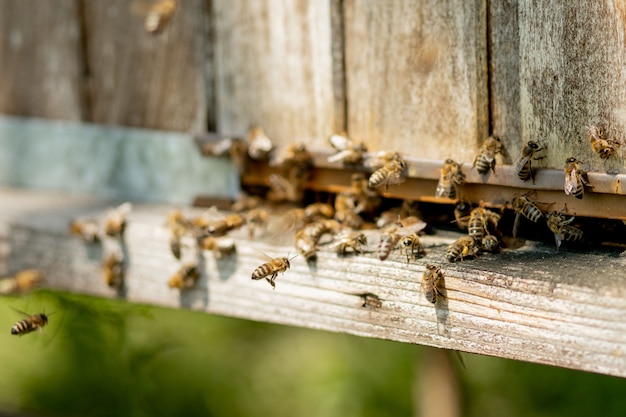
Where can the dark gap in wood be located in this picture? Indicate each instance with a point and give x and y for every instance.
(85, 91)
(209, 65)
(490, 78)
(338, 50)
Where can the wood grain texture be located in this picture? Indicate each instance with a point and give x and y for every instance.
(274, 68)
(417, 76)
(41, 71)
(572, 72)
(141, 79)
(530, 304)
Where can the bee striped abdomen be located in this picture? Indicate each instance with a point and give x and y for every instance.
(29, 324)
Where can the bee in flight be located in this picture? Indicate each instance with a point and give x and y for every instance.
(523, 164)
(604, 148)
(486, 158)
(270, 270)
(450, 178)
(431, 283)
(30, 323)
(575, 178)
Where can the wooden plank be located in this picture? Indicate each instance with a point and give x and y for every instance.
(274, 68)
(530, 304)
(572, 73)
(417, 76)
(40, 51)
(141, 79)
(109, 161)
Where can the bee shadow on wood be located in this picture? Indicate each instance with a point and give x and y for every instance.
(122, 290)
(226, 264)
(189, 297)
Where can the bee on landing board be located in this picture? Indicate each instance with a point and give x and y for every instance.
(486, 158)
(450, 178)
(88, 230)
(350, 240)
(602, 147)
(259, 144)
(22, 281)
(185, 277)
(412, 246)
(575, 178)
(431, 283)
(30, 323)
(523, 164)
(270, 269)
(562, 229)
(482, 222)
(388, 241)
(463, 247)
(113, 269)
(115, 220)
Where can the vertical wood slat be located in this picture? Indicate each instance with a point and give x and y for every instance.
(40, 75)
(417, 76)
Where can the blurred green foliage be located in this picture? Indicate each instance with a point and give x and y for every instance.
(103, 357)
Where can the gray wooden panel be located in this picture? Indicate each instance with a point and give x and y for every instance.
(417, 76)
(41, 59)
(274, 68)
(142, 79)
(572, 72)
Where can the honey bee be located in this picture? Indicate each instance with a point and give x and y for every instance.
(316, 211)
(348, 152)
(482, 222)
(30, 323)
(359, 198)
(524, 207)
(221, 227)
(259, 145)
(412, 246)
(349, 218)
(450, 178)
(462, 210)
(465, 246)
(256, 219)
(523, 164)
(490, 243)
(185, 277)
(159, 15)
(392, 172)
(575, 178)
(178, 226)
(113, 269)
(388, 241)
(604, 148)
(562, 229)
(305, 245)
(350, 240)
(218, 247)
(89, 230)
(486, 157)
(115, 220)
(22, 281)
(371, 301)
(294, 156)
(270, 270)
(307, 238)
(281, 189)
(431, 283)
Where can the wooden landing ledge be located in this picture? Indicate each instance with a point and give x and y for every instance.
(565, 309)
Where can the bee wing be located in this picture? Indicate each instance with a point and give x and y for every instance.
(571, 182)
(340, 142)
(518, 216)
(21, 312)
(339, 156)
(520, 162)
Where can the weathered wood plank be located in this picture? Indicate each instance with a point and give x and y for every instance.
(417, 76)
(531, 304)
(572, 73)
(141, 79)
(40, 50)
(274, 68)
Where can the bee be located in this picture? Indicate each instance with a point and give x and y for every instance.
(463, 247)
(113, 269)
(349, 218)
(159, 15)
(486, 157)
(350, 240)
(482, 222)
(388, 241)
(281, 189)
(522, 165)
(259, 145)
(450, 178)
(316, 211)
(432, 281)
(305, 245)
(524, 207)
(218, 247)
(490, 243)
(218, 228)
(348, 152)
(371, 301)
(29, 324)
(392, 172)
(212, 144)
(89, 230)
(22, 281)
(462, 210)
(256, 218)
(359, 198)
(270, 270)
(604, 148)
(575, 178)
(562, 229)
(178, 226)
(115, 220)
(185, 277)
(412, 246)
(294, 156)
(307, 238)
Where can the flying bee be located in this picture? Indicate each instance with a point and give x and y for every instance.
(392, 172)
(465, 246)
(575, 178)
(115, 220)
(113, 269)
(270, 270)
(256, 219)
(388, 241)
(30, 323)
(350, 240)
(462, 210)
(259, 144)
(450, 178)
(486, 158)
(185, 277)
(412, 246)
(22, 281)
(482, 222)
(432, 281)
(604, 148)
(523, 164)
(89, 230)
(348, 152)
(490, 243)
(524, 207)
(562, 229)
(218, 228)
